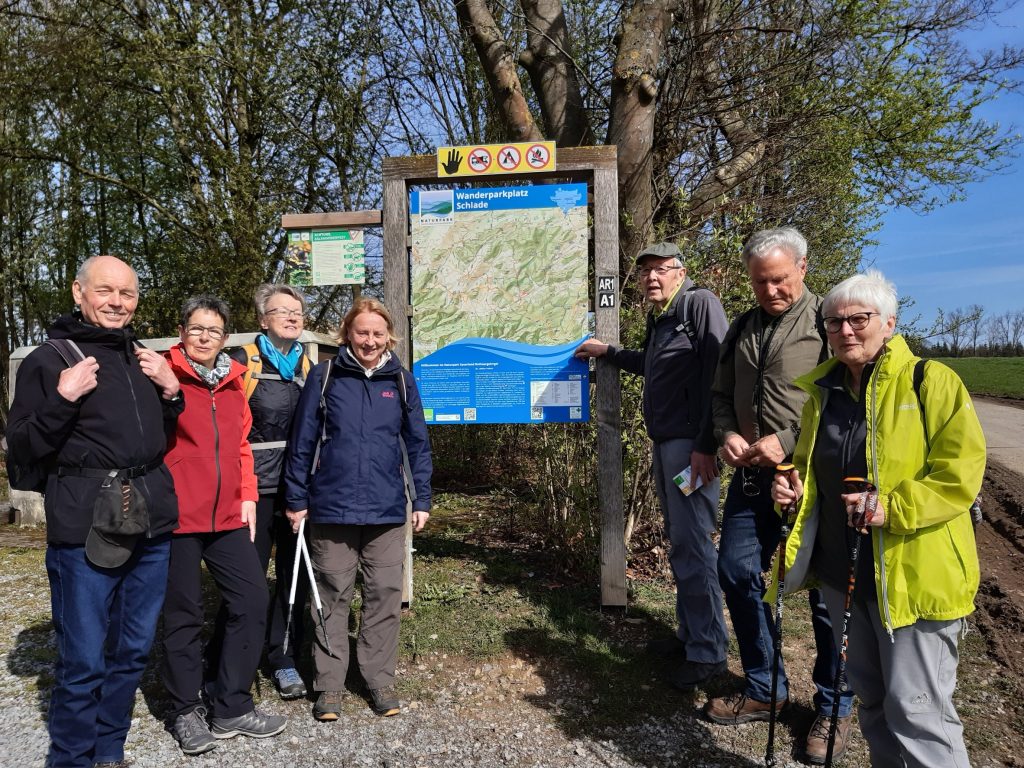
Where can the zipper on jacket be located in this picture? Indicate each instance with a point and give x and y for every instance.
(874, 477)
(216, 460)
(142, 432)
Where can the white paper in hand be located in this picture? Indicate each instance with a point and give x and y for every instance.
(682, 481)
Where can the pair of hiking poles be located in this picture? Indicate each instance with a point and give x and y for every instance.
(302, 555)
(853, 485)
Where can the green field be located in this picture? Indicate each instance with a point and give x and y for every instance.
(998, 376)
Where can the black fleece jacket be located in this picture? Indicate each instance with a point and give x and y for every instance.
(120, 424)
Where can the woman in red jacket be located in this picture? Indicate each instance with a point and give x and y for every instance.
(211, 461)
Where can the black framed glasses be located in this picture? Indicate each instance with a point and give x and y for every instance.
(659, 271)
(198, 330)
(750, 485)
(858, 321)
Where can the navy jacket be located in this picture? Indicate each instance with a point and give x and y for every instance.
(677, 376)
(359, 477)
(119, 424)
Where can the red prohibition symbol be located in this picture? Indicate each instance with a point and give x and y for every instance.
(508, 158)
(479, 160)
(538, 156)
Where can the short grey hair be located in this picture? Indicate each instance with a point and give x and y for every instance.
(208, 302)
(870, 289)
(788, 239)
(267, 291)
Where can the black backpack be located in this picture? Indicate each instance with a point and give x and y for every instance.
(25, 476)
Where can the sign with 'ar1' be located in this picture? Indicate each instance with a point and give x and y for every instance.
(605, 291)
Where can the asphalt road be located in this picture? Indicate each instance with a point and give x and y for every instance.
(1004, 432)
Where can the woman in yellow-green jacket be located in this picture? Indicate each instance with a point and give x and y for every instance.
(917, 571)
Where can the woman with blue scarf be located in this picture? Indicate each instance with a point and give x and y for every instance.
(276, 372)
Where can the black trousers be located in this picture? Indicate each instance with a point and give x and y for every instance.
(273, 529)
(234, 565)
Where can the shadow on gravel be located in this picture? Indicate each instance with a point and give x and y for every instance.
(33, 655)
(599, 684)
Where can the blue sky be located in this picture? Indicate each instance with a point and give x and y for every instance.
(968, 252)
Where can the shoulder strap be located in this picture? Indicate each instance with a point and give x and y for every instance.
(323, 417)
(406, 466)
(919, 379)
(253, 368)
(68, 350)
(819, 324)
(683, 315)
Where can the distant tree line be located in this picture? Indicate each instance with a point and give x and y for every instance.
(973, 333)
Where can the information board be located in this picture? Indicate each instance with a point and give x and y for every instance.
(500, 302)
(325, 257)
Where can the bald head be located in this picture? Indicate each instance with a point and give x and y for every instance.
(107, 291)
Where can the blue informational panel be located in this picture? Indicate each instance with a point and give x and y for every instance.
(500, 301)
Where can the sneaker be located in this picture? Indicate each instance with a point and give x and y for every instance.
(112, 764)
(254, 724)
(817, 740)
(328, 706)
(740, 708)
(384, 701)
(691, 674)
(289, 684)
(192, 733)
(667, 648)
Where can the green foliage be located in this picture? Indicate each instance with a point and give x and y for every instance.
(997, 376)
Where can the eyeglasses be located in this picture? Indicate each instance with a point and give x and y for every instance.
(198, 330)
(750, 487)
(659, 271)
(858, 321)
(283, 312)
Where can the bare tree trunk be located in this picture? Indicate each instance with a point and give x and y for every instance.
(499, 66)
(548, 59)
(634, 105)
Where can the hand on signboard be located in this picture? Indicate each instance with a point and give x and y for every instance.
(454, 161)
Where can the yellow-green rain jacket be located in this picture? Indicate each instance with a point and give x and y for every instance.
(927, 470)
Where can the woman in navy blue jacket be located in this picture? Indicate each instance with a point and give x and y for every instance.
(345, 473)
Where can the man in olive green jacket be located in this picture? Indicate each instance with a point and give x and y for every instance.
(756, 413)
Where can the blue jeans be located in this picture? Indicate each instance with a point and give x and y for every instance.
(104, 619)
(750, 537)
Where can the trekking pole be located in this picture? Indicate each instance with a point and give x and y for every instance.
(787, 514)
(295, 581)
(316, 593)
(862, 486)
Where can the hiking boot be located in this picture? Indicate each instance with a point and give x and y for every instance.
(192, 733)
(112, 764)
(384, 701)
(691, 674)
(289, 684)
(328, 706)
(817, 740)
(667, 648)
(740, 708)
(253, 723)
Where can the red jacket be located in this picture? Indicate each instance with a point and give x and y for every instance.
(209, 454)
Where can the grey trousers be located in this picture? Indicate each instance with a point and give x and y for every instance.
(689, 523)
(336, 551)
(905, 686)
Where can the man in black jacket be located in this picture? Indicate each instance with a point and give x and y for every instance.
(99, 424)
(684, 330)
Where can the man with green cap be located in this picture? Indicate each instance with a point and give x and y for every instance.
(685, 327)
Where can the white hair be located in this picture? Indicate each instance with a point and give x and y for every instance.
(870, 289)
(787, 238)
